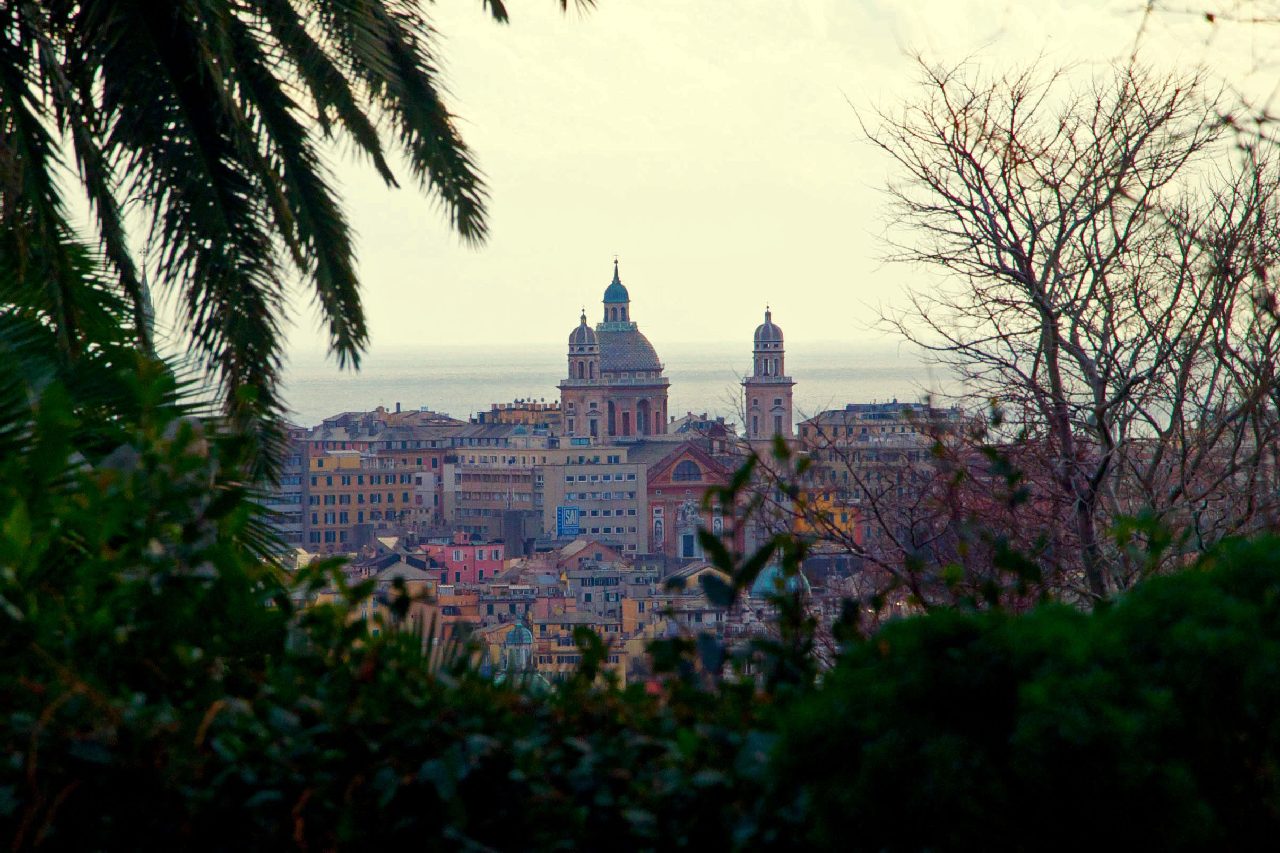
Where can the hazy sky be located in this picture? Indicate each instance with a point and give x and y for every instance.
(710, 144)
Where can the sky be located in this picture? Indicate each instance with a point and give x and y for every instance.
(712, 145)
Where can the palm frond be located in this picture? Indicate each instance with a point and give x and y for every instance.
(316, 221)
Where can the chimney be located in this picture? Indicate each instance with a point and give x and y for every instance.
(397, 407)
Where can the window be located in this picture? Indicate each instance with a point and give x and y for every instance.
(687, 471)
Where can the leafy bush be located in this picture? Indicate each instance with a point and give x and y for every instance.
(1152, 723)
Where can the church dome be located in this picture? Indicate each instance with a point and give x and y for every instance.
(583, 335)
(616, 293)
(768, 332)
(519, 636)
(771, 581)
(626, 350)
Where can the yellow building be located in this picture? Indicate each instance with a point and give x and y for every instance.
(351, 487)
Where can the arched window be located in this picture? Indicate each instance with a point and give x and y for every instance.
(686, 471)
(581, 371)
(591, 370)
(775, 367)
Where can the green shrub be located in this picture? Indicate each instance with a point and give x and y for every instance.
(1152, 723)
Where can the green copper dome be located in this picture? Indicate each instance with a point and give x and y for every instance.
(771, 581)
(615, 293)
(519, 636)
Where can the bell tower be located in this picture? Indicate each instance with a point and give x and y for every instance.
(767, 392)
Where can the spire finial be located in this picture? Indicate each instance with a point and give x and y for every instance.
(615, 270)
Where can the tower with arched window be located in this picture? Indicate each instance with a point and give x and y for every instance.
(767, 391)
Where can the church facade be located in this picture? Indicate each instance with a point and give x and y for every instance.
(617, 387)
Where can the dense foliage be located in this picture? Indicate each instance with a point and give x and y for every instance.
(160, 690)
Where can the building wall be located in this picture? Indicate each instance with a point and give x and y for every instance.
(288, 499)
(380, 488)
(466, 562)
(611, 497)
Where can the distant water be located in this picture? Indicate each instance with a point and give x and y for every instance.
(704, 378)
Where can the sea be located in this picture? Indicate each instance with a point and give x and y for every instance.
(705, 377)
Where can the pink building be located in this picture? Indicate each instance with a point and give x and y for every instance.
(464, 561)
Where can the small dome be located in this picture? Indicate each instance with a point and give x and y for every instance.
(615, 293)
(583, 335)
(767, 332)
(771, 581)
(519, 636)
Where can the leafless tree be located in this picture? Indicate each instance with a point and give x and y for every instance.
(1105, 277)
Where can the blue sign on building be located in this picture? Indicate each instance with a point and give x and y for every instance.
(567, 521)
